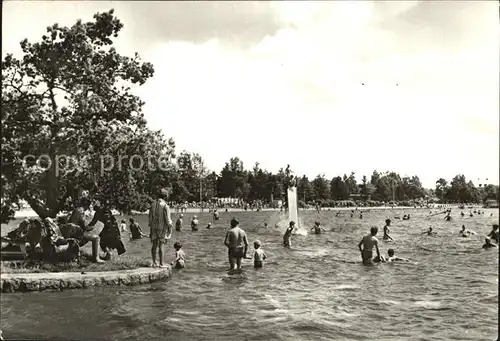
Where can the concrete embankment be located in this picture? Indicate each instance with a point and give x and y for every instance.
(58, 281)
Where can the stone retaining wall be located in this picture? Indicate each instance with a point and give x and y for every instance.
(57, 281)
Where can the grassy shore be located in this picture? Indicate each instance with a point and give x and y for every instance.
(83, 264)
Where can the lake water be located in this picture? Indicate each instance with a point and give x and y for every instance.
(318, 290)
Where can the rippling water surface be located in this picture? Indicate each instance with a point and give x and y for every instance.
(318, 290)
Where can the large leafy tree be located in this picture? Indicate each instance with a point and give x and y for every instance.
(70, 95)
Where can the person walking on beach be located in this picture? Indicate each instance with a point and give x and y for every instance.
(160, 226)
(236, 242)
(368, 242)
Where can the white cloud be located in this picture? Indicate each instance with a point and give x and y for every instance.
(296, 96)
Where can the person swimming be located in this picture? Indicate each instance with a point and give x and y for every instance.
(393, 258)
(465, 232)
(462, 213)
(368, 242)
(447, 217)
(494, 235)
(317, 228)
(209, 226)
(429, 232)
(386, 230)
(488, 244)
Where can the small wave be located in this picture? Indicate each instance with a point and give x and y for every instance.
(390, 302)
(345, 287)
(431, 305)
(275, 303)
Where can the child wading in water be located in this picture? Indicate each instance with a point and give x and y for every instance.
(317, 228)
(194, 224)
(287, 238)
(135, 230)
(180, 257)
(259, 255)
(123, 225)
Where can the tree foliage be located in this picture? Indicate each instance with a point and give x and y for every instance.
(69, 97)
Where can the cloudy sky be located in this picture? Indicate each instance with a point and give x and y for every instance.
(281, 83)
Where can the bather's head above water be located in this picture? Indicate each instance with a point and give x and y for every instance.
(374, 230)
(234, 222)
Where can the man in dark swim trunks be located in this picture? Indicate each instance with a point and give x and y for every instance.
(368, 242)
(237, 243)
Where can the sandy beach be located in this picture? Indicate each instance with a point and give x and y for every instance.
(26, 213)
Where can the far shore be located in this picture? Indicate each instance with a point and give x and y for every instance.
(27, 213)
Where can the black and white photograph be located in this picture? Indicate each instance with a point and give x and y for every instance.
(250, 170)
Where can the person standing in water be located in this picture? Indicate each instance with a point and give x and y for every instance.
(259, 256)
(236, 242)
(287, 237)
(180, 257)
(368, 242)
(178, 223)
(194, 223)
(386, 230)
(135, 230)
(160, 226)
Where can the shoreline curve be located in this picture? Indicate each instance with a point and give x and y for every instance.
(59, 281)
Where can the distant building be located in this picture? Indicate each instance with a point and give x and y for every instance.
(491, 203)
(359, 197)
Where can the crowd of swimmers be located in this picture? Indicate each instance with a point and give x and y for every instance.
(237, 243)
